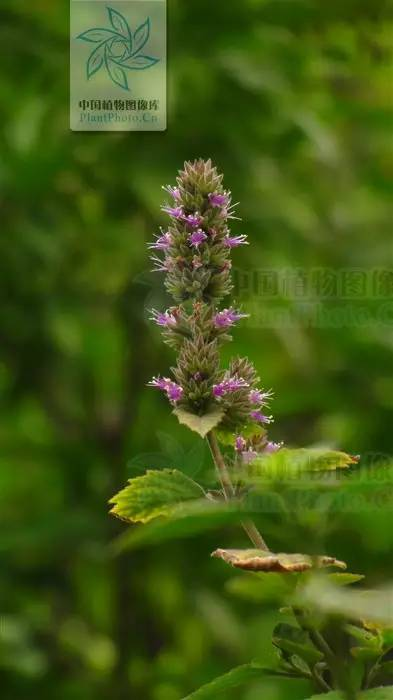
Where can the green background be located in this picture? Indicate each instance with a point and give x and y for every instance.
(292, 99)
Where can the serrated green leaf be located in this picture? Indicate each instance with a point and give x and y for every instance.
(200, 424)
(373, 694)
(153, 494)
(233, 679)
(287, 463)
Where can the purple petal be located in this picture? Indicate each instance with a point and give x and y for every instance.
(196, 238)
(174, 392)
(218, 200)
(164, 318)
(240, 444)
(193, 220)
(227, 317)
(162, 242)
(235, 241)
(173, 191)
(249, 456)
(272, 447)
(175, 212)
(260, 418)
(228, 386)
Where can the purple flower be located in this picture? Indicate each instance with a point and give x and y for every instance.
(193, 220)
(196, 238)
(228, 385)
(173, 391)
(272, 447)
(249, 455)
(259, 397)
(235, 241)
(227, 317)
(163, 242)
(218, 200)
(164, 318)
(260, 418)
(161, 265)
(159, 383)
(240, 444)
(173, 191)
(175, 212)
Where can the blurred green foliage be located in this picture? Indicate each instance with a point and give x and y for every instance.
(292, 100)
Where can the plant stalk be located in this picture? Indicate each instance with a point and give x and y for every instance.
(225, 479)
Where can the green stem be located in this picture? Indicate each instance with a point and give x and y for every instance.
(336, 667)
(229, 491)
(316, 637)
(221, 467)
(255, 536)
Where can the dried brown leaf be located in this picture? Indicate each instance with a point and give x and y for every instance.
(259, 560)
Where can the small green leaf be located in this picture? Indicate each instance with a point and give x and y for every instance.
(200, 424)
(367, 638)
(345, 579)
(293, 640)
(233, 679)
(156, 493)
(227, 437)
(365, 653)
